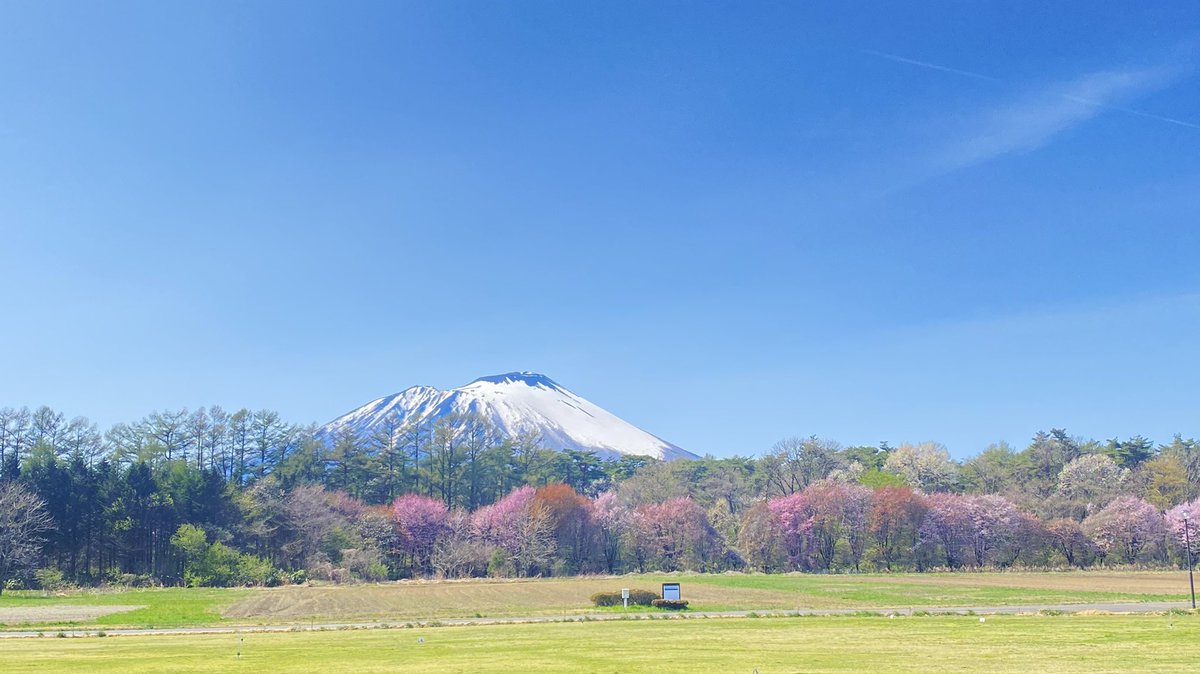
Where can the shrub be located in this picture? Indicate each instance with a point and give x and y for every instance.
(636, 598)
(254, 570)
(501, 566)
(642, 597)
(50, 579)
(670, 604)
(377, 571)
(607, 599)
(133, 580)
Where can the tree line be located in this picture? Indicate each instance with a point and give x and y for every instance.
(215, 498)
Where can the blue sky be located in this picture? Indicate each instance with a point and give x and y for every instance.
(726, 222)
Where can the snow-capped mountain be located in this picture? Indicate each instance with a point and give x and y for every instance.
(516, 403)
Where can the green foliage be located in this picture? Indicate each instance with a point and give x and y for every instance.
(500, 565)
(184, 497)
(875, 478)
(50, 579)
(337, 540)
(1130, 453)
(191, 542)
(218, 565)
(870, 458)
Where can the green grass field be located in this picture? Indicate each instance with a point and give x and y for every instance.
(162, 607)
(422, 601)
(1072, 643)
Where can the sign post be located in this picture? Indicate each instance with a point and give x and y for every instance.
(625, 596)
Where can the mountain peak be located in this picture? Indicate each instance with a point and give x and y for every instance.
(513, 403)
(527, 378)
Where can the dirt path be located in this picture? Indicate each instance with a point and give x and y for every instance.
(1114, 607)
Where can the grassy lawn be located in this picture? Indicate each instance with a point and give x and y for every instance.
(165, 607)
(1074, 643)
(964, 589)
(429, 600)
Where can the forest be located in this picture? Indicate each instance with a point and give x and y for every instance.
(216, 498)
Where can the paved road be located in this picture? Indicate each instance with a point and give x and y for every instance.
(1117, 607)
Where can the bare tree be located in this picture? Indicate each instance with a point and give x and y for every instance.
(127, 443)
(23, 520)
(170, 429)
(46, 426)
(218, 439)
(14, 435)
(795, 463)
(199, 427)
(239, 430)
(82, 440)
(270, 435)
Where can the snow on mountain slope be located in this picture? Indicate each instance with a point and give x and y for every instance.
(515, 403)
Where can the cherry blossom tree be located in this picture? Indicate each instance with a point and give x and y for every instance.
(894, 522)
(497, 523)
(1176, 523)
(1093, 478)
(420, 521)
(521, 528)
(674, 535)
(613, 521)
(855, 510)
(459, 552)
(926, 466)
(795, 519)
(1066, 537)
(1125, 528)
(947, 526)
(996, 524)
(814, 521)
(760, 539)
(571, 521)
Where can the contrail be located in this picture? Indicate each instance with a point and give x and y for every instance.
(932, 66)
(989, 78)
(1131, 111)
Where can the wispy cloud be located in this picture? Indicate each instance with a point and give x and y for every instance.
(1034, 119)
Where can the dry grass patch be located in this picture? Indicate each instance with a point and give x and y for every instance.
(1131, 582)
(423, 599)
(419, 600)
(20, 615)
